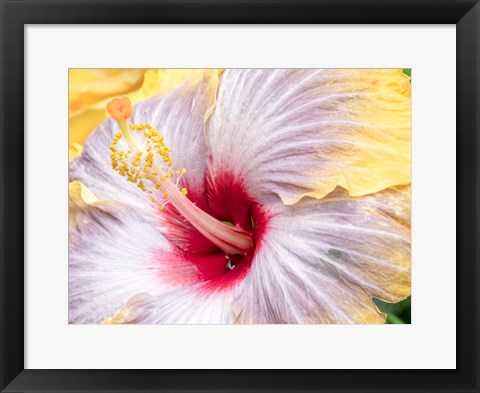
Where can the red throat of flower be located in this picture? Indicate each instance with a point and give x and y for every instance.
(215, 232)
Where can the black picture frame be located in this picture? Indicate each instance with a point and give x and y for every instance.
(15, 14)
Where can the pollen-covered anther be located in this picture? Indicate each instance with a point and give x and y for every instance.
(146, 162)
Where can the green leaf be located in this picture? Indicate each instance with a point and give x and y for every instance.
(407, 71)
(396, 312)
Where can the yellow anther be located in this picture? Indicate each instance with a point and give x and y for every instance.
(161, 208)
(145, 162)
(141, 185)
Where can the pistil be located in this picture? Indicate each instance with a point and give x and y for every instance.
(145, 160)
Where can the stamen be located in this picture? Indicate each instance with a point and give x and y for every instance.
(138, 152)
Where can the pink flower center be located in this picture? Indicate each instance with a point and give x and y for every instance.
(217, 231)
(225, 200)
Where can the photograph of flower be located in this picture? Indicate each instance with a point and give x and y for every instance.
(239, 196)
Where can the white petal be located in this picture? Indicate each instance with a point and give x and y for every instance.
(189, 305)
(322, 261)
(115, 254)
(302, 132)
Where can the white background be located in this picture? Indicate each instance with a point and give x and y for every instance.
(428, 343)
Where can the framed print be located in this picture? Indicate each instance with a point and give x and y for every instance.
(217, 215)
(239, 196)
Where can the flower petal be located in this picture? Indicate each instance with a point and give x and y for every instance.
(208, 301)
(80, 126)
(302, 132)
(323, 261)
(160, 82)
(113, 256)
(180, 117)
(88, 86)
(188, 305)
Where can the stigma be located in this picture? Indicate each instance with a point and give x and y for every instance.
(138, 153)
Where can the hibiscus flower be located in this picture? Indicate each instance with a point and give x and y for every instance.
(261, 196)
